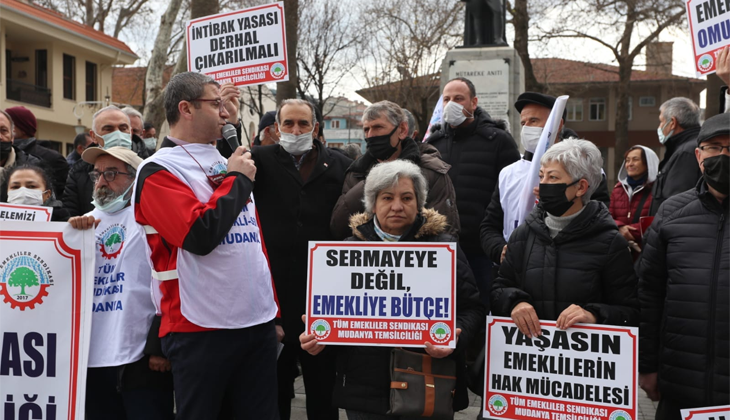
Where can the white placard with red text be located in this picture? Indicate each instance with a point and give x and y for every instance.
(588, 371)
(382, 294)
(707, 413)
(23, 213)
(709, 27)
(46, 288)
(246, 47)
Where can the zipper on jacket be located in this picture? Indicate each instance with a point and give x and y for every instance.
(344, 377)
(713, 302)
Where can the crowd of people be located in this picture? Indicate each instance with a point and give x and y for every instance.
(225, 231)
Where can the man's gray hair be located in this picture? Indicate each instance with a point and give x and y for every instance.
(411, 122)
(385, 175)
(12, 124)
(684, 110)
(185, 86)
(390, 110)
(581, 159)
(103, 110)
(131, 112)
(295, 102)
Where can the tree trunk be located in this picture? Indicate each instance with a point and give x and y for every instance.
(521, 22)
(288, 89)
(153, 112)
(622, 115)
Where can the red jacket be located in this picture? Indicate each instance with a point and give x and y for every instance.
(623, 209)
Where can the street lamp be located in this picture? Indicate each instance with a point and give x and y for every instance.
(106, 102)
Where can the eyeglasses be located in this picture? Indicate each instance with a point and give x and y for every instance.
(109, 175)
(714, 149)
(216, 102)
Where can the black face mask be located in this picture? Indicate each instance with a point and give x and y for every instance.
(717, 173)
(553, 199)
(379, 146)
(5, 148)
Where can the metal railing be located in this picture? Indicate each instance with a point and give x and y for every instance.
(28, 93)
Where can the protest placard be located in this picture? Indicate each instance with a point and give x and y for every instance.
(382, 294)
(246, 47)
(25, 213)
(46, 283)
(587, 372)
(707, 413)
(709, 26)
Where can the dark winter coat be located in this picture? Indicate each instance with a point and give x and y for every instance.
(491, 230)
(476, 154)
(52, 161)
(59, 214)
(678, 171)
(588, 264)
(684, 288)
(79, 190)
(292, 213)
(441, 195)
(363, 372)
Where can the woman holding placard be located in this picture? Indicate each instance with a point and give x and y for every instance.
(30, 185)
(395, 193)
(568, 261)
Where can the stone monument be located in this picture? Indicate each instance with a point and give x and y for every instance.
(494, 67)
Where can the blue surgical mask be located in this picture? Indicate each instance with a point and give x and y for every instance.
(660, 132)
(117, 138)
(150, 143)
(116, 204)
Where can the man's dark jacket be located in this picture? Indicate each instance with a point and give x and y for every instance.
(292, 213)
(476, 154)
(491, 231)
(53, 162)
(79, 190)
(588, 264)
(441, 195)
(363, 372)
(684, 288)
(678, 171)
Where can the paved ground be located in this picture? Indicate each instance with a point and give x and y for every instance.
(298, 412)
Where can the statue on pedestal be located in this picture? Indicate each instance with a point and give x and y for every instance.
(485, 23)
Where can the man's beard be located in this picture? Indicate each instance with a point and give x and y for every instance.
(104, 195)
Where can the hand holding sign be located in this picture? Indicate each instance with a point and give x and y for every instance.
(308, 342)
(723, 65)
(525, 317)
(574, 314)
(439, 352)
(230, 95)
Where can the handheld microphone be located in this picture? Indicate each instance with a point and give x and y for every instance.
(229, 133)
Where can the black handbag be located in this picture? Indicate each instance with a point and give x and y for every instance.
(421, 385)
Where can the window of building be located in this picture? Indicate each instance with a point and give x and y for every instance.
(574, 110)
(648, 101)
(41, 68)
(69, 76)
(90, 81)
(335, 124)
(597, 109)
(631, 107)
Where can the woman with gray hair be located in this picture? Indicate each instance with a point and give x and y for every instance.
(567, 262)
(394, 197)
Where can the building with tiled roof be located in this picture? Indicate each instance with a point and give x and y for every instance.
(52, 65)
(592, 105)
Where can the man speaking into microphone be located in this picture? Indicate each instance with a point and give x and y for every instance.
(211, 278)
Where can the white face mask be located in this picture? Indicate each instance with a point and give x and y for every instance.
(296, 145)
(530, 137)
(453, 114)
(25, 196)
(150, 143)
(115, 205)
(117, 138)
(660, 133)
